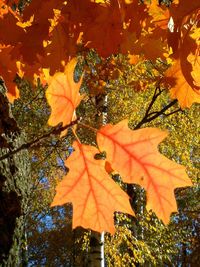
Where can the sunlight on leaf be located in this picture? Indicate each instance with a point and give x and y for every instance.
(94, 195)
(63, 96)
(181, 89)
(135, 156)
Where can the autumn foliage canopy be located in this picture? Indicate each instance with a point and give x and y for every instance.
(43, 41)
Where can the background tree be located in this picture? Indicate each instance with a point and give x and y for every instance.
(143, 236)
(14, 189)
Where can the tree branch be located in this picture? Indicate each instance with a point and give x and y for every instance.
(149, 116)
(55, 131)
(157, 92)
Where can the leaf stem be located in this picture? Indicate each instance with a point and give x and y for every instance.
(88, 126)
(76, 136)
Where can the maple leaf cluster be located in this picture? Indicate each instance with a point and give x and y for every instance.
(48, 33)
(133, 154)
(40, 43)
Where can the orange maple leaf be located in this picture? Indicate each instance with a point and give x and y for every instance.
(9, 31)
(31, 42)
(63, 48)
(9, 67)
(195, 73)
(159, 13)
(183, 75)
(186, 93)
(94, 195)
(181, 9)
(63, 95)
(97, 20)
(135, 156)
(4, 8)
(108, 23)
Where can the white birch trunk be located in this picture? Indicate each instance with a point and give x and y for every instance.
(96, 258)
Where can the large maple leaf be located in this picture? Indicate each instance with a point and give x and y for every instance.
(183, 75)
(94, 195)
(135, 156)
(63, 95)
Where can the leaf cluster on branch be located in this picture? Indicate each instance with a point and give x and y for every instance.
(42, 42)
(133, 154)
(42, 38)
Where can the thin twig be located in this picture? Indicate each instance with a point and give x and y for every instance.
(88, 126)
(161, 112)
(54, 131)
(175, 111)
(157, 92)
(150, 116)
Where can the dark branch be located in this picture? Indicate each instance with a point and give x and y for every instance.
(161, 112)
(157, 92)
(175, 111)
(150, 116)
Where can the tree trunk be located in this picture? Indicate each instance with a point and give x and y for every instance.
(96, 257)
(14, 188)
